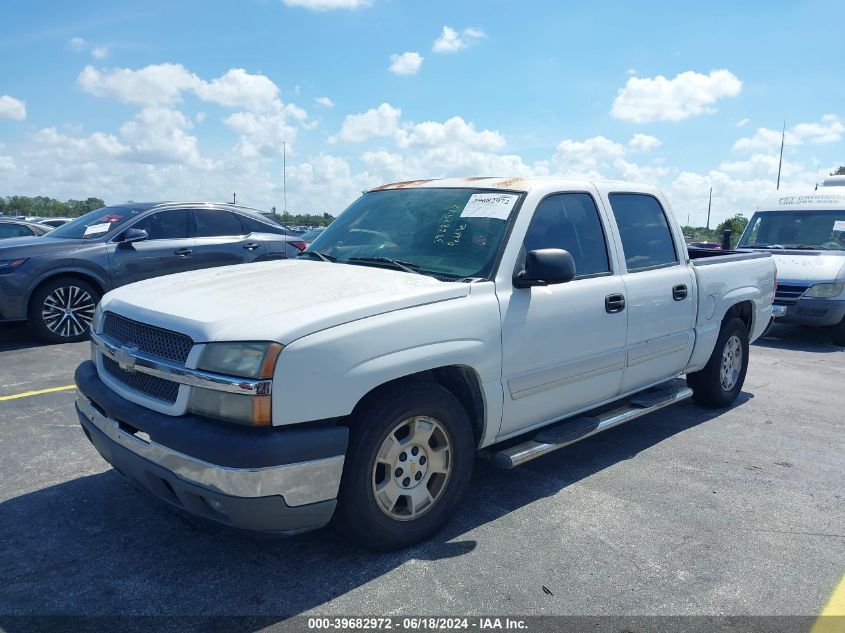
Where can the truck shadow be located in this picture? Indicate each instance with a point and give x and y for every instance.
(798, 339)
(94, 546)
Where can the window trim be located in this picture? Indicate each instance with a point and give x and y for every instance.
(678, 259)
(601, 226)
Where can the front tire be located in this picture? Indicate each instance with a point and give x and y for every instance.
(407, 467)
(61, 310)
(719, 383)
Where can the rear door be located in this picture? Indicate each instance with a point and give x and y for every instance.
(167, 250)
(659, 290)
(222, 239)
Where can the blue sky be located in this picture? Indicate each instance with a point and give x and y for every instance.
(176, 100)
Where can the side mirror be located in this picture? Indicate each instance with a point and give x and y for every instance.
(133, 235)
(546, 266)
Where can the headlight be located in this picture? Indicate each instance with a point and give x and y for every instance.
(97, 320)
(825, 291)
(242, 360)
(8, 265)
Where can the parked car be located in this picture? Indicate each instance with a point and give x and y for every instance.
(310, 235)
(55, 282)
(54, 222)
(805, 233)
(431, 320)
(21, 228)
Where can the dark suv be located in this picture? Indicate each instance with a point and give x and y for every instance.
(54, 282)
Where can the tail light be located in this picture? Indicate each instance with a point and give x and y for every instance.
(299, 244)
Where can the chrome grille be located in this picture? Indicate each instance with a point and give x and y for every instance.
(786, 294)
(152, 386)
(148, 338)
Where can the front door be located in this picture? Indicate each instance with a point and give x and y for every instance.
(564, 344)
(167, 250)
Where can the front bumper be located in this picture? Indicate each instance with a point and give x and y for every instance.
(816, 312)
(268, 480)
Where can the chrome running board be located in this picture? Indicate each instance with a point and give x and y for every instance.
(572, 430)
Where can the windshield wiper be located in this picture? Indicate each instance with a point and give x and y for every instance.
(805, 247)
(318, 255)
(408, 267)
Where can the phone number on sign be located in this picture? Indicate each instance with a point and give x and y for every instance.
(389, 623)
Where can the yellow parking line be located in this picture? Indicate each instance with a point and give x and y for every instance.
(26, 394)
(832, 619)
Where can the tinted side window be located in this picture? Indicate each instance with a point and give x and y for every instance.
(15, 230)
(570, 221)
(165, 225)
(646, 237)
(251, 225)
(214, 223)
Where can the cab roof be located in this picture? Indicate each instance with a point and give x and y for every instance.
(505, 183)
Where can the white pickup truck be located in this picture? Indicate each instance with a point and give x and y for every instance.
(431, 321)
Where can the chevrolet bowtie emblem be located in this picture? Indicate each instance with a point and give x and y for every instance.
(125, 357)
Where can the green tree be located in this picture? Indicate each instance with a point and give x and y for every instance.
(736, 225)
(839, 172)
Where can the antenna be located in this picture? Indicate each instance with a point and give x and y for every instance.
(780, 163)
(234, 198)
(817, 177)
(285, 173)
(709, 203)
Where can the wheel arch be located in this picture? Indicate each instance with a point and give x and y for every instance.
(460, 380)
(744, 310)
(80, 275)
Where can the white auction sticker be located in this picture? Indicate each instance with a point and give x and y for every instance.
(489, 205)
(839, 225)
(96, 229)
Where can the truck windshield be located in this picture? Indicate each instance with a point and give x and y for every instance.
(446, 233)
(96, 224)
(804, 230)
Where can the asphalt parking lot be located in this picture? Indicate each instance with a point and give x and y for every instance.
(682, 512)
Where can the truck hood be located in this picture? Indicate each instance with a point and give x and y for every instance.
(15, 247)
(279, 301)
(810, 266)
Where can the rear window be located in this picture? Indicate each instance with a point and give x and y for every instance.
(218, 223)
(644, 229)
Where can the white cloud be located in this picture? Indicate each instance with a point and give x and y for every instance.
(199, 117)
(327, 5)
(76, 44)
(261, 134)
(159, 135)
(743, 122)
(238, 88)
(324, 101)
(100, 52)
(156, 84)
(451, 41)
(660, 99)
(407, 63)
(631, 72)
(644, 142)
(829, 129)
(375, 122)
(11, 108)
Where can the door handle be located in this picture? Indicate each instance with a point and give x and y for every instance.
(251, 246)
(614, 303)
(183, 252)
(679, 292)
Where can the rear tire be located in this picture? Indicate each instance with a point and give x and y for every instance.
(62, 309)
(409, 461)
(718, 384)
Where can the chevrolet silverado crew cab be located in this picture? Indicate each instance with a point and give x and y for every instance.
(431, 321)
(805, 232)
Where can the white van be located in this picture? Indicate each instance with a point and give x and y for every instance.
(806, 235)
